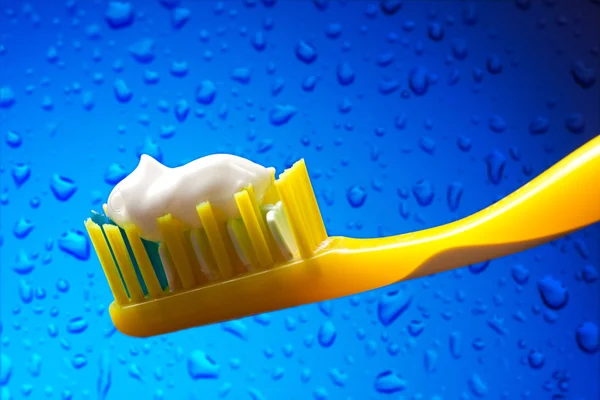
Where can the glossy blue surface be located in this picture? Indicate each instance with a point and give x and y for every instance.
(409, 115)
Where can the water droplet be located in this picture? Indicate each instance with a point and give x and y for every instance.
(423, 192)
(25, 292)
(454, 195)
(182, 110)
(122, 91)
(536, 359)
(575, 123)
(479, 267)
(115, 174)
(258, 41)
(356, 196)
(589, 274)
(119, 14)
(389, 382)
(415, 328)
(583, 75)
(201, 366)
(13, 139)
(151, 148)
(79, 361)
(241, 75)
(103, 381)
(35, 365)
(77, 325)
(345, 74)
(151, 77)
(464, 143)
(553, 292)
(62, 188)
(495, 161)
(459, 49)
(309, 83)
(427, 144)
(494, 64)
(326, 307)
(62, 285)
(20, 173)
(23, 263)
(327, 334)
(539, 126)
(419, 81)
(456, 344)
(497, 124)
(76, 244)
(392, 305)
(7, 97)
(5, 369)
(388, 86)
(22, 228)
(236, 328)
(520, 274)
(143, 51)
(435, 31)
(206, 92)
(281, 113)
(390, 7)
(477, 386)
(306, 52)
(587, 337)
(333, 31)
(179, 17)
(430, 360)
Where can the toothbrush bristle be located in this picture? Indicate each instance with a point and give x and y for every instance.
(265, 236)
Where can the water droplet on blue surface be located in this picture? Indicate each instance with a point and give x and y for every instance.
(143, 51)
(345, 74)
(103, 381)
(539, 126)
(62, 188)
(236, 328)
(479, 267)
(241, 75)
(206, 92)
(423, 192)
(553, 292)
(23, 263)
(6, 367)
(326, 307)
(454, 195)
(456, 344)
(587, 337)
(327, 334)
(77, 325)
(35, 365)
(13, 139)
(201, 366)
(495, 161)
(281, 114)
(76, 244)
(459, 49)
(309, 83)
(151, 77)
(415, 328)
(356, 196)
(151, 148)
(477, 386)
(418, 81)
(494, 64)
(25, 292)
(115, 174)
(179, 17)
(20, 173)
(431, 360)
(392, 305)
(306, 52)
(389, 382)
(497, 124)
(333, 30)
(182, 110)
(258, 41)
(79, 361)
(575, 123)
(390, 7)
(435, 31)
(119, 14)
(584, 76)
(589, 274)
(520, 274)
(7, 97)
(122, 91)
(536, 359)
(22, 228)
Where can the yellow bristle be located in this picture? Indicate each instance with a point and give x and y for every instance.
(107, 262)
(143, 261)
(255, 226)
(173, 236)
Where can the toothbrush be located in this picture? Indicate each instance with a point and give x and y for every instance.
(279, 255)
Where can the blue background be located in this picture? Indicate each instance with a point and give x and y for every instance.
(427, 92)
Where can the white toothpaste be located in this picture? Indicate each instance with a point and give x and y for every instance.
(153, 190)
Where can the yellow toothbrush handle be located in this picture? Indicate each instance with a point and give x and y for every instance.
(561, 200)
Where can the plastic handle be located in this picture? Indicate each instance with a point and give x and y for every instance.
(563, 199)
